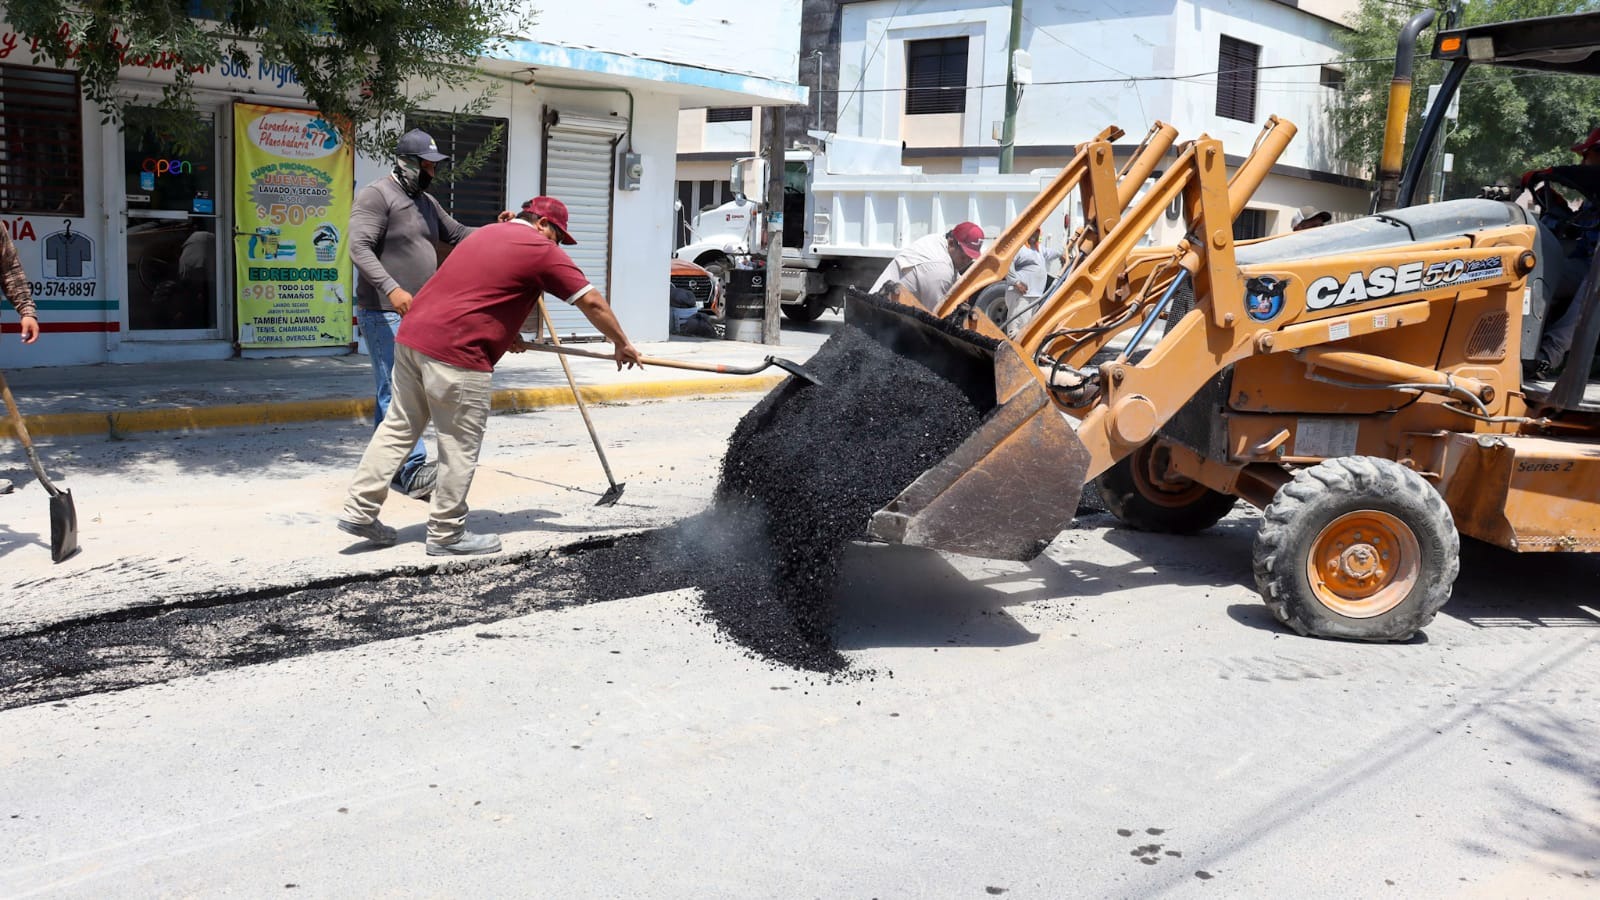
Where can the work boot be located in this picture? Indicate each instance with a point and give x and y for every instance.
(422, 481)
(469, 544)
(1538, 370)
(374, 532)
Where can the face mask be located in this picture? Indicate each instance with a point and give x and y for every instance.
(408, 171)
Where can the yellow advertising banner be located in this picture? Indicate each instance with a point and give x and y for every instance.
(293, 183)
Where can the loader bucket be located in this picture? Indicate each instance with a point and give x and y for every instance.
(1008, 489)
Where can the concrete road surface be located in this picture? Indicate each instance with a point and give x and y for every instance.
(1120, 718)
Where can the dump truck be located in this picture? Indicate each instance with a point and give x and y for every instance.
(848, 208)
(1360, 384)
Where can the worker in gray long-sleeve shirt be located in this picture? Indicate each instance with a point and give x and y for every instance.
(394, 227)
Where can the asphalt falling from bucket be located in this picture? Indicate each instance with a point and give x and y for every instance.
(803, 473)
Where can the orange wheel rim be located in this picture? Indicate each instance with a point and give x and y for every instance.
(1364, 563)
(1155, 485)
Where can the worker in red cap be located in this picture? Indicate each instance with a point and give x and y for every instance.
(928, 267)
(463, 320)
(1579, 232)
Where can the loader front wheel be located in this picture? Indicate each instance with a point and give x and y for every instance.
(1359, 548)
(1141, 492)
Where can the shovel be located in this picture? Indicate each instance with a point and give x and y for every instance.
(614, 492)
(63, 516)
(788, 365)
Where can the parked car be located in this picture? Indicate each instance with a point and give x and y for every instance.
(700, 282)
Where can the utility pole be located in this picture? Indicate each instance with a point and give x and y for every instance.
(1008, 129)
(773, 151)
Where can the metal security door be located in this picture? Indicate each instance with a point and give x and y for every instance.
(579, 169)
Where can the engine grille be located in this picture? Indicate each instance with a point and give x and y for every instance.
(1488, 340)
(698, 285)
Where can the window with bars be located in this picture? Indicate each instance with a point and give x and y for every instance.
(478, 198)
(41, 142)
(729, 114)
(1236, 79)
(936, 76)
(1333, 77)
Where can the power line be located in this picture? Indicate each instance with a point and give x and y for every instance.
(1125, 79)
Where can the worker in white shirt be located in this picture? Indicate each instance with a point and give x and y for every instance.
(928, 267)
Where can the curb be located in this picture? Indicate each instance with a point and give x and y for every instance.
(509, 400)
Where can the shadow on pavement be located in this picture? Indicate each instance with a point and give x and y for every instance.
(1499, 589)
(906, 597)
(894, 596)
(15, 540)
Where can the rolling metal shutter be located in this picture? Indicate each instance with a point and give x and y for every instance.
(579, 169)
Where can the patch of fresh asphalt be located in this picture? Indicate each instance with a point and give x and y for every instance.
(804, 471)
(145, 645)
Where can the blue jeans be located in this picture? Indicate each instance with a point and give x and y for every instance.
(379, 328)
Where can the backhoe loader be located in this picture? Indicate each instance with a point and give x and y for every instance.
(1360, 383)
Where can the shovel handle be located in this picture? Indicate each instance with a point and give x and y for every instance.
(24, 437)
(577, 397)
(719, 368)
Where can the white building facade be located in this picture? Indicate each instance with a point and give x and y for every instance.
(589, 107)
(931, 74)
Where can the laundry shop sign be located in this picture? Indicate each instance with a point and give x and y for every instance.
(252, 68)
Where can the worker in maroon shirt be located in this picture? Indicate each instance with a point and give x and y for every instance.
(462, 321)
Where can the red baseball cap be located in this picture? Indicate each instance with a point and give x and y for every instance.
(1589, 143)
(553, 211)
(969, 238)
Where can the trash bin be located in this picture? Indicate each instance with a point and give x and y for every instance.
(746, 300)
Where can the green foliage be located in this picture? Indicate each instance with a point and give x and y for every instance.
(1511, 120)
(364, 62)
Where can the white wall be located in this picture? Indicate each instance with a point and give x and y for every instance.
(642, 237)
(1104, 45)
(752, 37)
(1286, 37)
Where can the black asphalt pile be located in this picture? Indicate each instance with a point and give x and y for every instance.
(803, 473)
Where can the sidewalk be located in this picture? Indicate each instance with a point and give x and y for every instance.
(121, 399)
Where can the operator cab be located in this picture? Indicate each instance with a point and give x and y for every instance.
(1559, 44)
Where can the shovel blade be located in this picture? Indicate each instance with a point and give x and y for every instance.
(63, 526)
(612, 495)
(795, 369)
(1008, 489)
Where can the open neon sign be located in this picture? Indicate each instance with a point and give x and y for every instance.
(168, 166)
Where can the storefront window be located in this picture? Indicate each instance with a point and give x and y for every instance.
(172, 236)
(163, 173)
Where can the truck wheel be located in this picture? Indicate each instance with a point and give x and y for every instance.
(1357, 547)
(994, 301)
(807, 311)
(718, 265)
(1139, 491)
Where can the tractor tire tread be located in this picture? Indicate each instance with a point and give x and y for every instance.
(1333, 481)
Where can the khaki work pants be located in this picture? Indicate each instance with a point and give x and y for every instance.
(456, 400)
